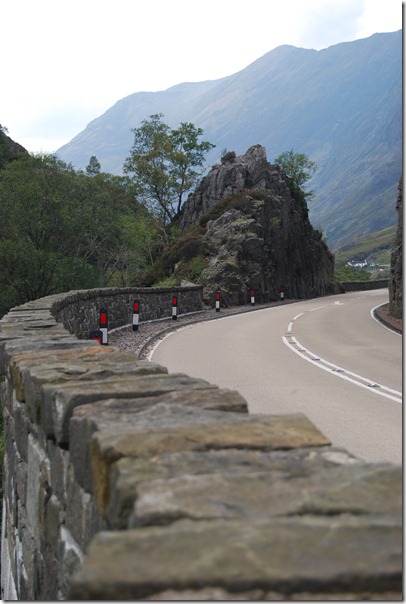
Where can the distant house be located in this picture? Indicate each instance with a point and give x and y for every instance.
(358, 264)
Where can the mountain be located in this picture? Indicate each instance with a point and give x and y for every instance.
(342, 106)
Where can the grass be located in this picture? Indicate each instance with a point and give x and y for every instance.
(375, 248)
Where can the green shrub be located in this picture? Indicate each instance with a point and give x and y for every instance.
(196, 267)
(167, 282)
(351, 273)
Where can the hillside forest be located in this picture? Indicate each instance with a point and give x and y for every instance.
(63, 229)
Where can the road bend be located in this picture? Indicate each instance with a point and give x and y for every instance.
(327, 358)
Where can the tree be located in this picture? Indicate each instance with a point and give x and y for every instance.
(93, 167)
(59, 229)
(298, 167)
(163, 163)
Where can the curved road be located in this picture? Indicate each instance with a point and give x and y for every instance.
(327, 358)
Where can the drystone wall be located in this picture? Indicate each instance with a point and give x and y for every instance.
(78, 311)
(357, 286)
(122, 481)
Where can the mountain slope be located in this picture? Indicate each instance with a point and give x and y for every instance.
(342, 106)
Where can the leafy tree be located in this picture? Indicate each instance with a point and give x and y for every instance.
(298, 167)
(163, 163)
(59, 229)
(93, 167)
(142, 241)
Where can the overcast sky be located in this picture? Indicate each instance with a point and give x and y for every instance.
(65, 62)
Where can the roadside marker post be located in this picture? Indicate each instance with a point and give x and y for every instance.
(104, 325)
(252, 297)
(282, 291)
(136, 314)
(218, 300)
(174, 308)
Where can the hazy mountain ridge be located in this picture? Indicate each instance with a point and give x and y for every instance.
(342, 106)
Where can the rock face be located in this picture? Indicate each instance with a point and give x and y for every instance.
(257, 231)
(396, 279)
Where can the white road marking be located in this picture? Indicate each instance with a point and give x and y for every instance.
(340, 372)
(297, 316)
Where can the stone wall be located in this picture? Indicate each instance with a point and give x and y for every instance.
(357, 286)
(122, 481)
(78, 311)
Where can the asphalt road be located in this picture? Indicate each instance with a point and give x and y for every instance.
(327, 358)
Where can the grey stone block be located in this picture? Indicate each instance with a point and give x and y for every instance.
(128, 474)
(285, 555)
(353, 490)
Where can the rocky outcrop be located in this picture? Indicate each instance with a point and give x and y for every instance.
(235, 174)
(257, 232)
(396, 271)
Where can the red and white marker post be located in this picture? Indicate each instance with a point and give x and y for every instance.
(282, 291)
(104, 326)
(174, 308)
(218, 300)
(136, 314)
(252, 297)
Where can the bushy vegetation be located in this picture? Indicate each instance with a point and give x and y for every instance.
(299, 169)
(61, 230)
(351, 273)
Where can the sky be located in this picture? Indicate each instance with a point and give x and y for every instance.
(65, 62)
